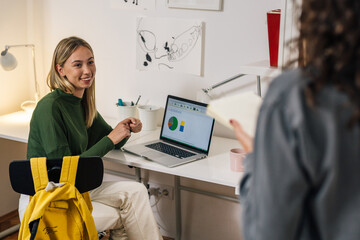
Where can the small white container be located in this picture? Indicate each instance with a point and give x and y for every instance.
(148, 116)
(127, 111)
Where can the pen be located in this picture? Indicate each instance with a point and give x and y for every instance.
(138, 100)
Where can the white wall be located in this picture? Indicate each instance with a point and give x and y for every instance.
(16, 85)
(232, 37)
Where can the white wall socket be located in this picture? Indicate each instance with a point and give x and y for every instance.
(164, 191)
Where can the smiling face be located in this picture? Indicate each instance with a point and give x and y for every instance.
(79, 69)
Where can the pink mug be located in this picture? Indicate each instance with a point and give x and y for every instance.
(237, 156)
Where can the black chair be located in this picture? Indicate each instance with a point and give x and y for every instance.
(89, 176)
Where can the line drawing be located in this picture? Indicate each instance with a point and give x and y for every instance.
(134, 2)
(164, 64)
(167, 52)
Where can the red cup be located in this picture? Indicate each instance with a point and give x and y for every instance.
(273, 22)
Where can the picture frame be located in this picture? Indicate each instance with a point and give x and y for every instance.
(215, 5)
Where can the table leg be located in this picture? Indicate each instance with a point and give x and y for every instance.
(258, 85)
(177, 207)
(138, 174)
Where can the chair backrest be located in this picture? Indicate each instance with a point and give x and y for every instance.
(89, 174)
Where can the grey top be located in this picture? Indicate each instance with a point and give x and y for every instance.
(303, 179)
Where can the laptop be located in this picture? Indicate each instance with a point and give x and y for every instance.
(185, 135)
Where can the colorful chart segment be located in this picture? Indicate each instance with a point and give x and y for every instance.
(182, 125)
(173, 123)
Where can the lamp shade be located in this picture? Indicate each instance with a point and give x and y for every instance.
(8, 61)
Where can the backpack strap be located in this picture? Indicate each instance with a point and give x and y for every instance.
(39, 173)
(68, 174)
(69, 169)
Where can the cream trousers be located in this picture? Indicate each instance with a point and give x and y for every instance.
(123, 207)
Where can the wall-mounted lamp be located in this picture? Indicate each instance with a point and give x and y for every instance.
(204, 96)
(207, 90)
(9, 62)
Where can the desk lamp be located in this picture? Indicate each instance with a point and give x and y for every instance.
(9, 62)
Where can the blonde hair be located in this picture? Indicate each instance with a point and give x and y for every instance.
(62, 52)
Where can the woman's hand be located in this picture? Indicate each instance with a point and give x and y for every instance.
(245, 140)
(135, 124)
(121, 131)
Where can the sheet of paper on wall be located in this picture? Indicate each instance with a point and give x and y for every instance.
(169, 44)
(244, 107)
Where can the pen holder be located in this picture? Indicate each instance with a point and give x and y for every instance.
(127, 111)
(148, 116)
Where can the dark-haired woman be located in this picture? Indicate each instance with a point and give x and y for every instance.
(301, 177)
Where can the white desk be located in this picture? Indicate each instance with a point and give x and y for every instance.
(213, 169)
(15, 126)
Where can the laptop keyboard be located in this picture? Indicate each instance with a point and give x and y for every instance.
(171, 150)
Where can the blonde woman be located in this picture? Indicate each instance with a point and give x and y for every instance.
(66, 123)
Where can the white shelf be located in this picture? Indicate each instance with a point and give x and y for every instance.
(261, 68)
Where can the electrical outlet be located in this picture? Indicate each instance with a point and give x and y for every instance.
(161, 190)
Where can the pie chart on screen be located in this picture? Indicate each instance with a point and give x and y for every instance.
(173, 123)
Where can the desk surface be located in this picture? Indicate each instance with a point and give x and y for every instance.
(15, 126)
(215, 168)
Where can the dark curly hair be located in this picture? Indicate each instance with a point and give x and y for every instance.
(329, 47)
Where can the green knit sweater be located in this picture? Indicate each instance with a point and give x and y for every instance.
(58, 129)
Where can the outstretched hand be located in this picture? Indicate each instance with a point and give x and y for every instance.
(245, 140)
(121, 131)
(124, 128)
(134, 124)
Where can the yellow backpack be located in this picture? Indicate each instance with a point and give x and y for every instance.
(57, 211)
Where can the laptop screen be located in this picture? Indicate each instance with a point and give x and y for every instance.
(186, 122)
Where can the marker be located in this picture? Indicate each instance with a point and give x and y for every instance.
(120, 102)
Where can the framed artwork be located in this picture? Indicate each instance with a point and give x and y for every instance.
(196, 4)
(168, 44)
